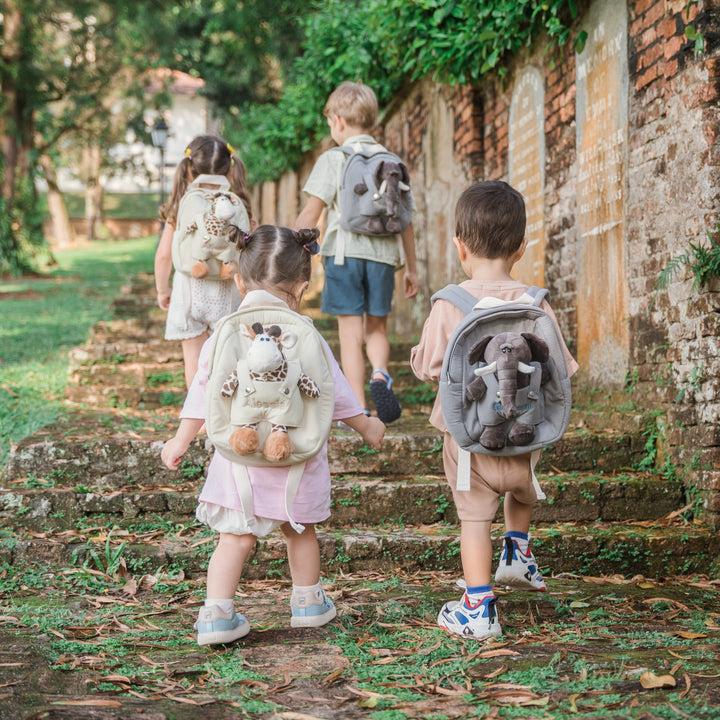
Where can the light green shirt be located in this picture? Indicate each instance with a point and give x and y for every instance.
(324, 183)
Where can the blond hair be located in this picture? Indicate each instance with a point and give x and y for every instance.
(355, 103)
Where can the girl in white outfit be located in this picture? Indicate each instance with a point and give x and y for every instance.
(274, 268)
(194, 305)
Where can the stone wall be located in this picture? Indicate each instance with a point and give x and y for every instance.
(626, 138)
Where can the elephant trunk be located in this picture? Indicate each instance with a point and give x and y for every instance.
(507, 380)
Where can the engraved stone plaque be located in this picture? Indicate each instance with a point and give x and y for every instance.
(602, 99)
(527, 169)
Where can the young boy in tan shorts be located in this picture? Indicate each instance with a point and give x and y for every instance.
(359, 269)
(490, 239)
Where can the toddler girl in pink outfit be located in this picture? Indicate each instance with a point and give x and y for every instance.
(274, 268)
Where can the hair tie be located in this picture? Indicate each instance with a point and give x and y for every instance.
(229, 148)
(312, 247)
(188, 152)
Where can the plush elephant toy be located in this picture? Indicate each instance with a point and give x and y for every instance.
(390, 179)
(508, 357)
(218, 233)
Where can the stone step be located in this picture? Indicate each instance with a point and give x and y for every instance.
(42, 506)
(587, 549)
(97, 456)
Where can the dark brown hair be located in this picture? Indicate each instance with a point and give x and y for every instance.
(207, 155)
(490, 219)
(277, 258)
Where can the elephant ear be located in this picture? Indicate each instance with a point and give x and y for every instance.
(404, 174)
(477, 351)
(379, 173)
(538, 347)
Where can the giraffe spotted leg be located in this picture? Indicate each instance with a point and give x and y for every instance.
(278, 446)
(245, 440)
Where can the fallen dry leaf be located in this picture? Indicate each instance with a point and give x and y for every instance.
(649, 680)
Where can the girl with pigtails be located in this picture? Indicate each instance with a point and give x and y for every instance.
(193, 304)
(274, 272)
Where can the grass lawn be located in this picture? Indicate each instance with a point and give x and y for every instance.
(41, 318)
(115, 205)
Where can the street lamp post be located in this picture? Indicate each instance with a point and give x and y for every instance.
(159, 134)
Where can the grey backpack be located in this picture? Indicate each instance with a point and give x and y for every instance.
(375, 197)
(504, 385)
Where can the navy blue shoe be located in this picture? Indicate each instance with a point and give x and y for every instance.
(386, 404)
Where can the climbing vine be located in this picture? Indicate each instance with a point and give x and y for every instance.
(387, 43)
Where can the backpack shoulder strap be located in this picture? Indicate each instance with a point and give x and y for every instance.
(537, 294)
(456, 295)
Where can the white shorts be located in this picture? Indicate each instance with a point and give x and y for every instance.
(197, 305)
(226, 520)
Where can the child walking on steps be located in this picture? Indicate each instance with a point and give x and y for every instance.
(195, 304)
(489, 239)
(274, 271)
(359, 267)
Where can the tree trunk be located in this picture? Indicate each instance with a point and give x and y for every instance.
(93, 193)
(63, 231)
(10, 52)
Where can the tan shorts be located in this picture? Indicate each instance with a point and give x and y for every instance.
(490, 478)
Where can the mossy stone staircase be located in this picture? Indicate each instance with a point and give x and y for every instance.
(95, 483)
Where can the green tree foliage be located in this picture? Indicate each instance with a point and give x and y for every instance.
(63, 68)
(240, 49)
(386, 43)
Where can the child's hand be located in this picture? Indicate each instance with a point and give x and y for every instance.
(172, 451)
(374, 432)
(371, 429)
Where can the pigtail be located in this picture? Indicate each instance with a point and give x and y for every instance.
(169, 211)
(238, 183)
(307, 237)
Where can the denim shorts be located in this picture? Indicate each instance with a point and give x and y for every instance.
(358, 287)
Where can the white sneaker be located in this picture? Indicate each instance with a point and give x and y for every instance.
(518, 569)
(310, 611)
(480, 621)
(215, 627)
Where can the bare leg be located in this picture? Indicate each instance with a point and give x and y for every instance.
(303, 554)
(517, 514)
(191, 353)
(226, 564)
(476, 552)
(378, 345)
(351, 332)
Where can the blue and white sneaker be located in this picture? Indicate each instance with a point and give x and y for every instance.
(478, 621)
(310, 611)
(215, 627)
(518, 569)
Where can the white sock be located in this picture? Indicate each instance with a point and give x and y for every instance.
(226, 606)
(306, 594)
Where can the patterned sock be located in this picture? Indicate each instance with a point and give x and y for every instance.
(522, 539)
(475, 595)
(225, 605)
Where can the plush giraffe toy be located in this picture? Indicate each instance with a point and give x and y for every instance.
(266, 387)
(215, 225)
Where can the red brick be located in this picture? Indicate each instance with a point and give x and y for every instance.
(647, 77)
(668, 27)
(670, 68)
(704, 94)
(647, 38)
(642, 6)
(650, 55)
(712, 65)
(655, 13)
(673, 45)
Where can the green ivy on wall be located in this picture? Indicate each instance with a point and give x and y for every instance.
(387, 43)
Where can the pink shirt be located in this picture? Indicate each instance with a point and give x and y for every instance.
(426, 359)
(312, 502)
